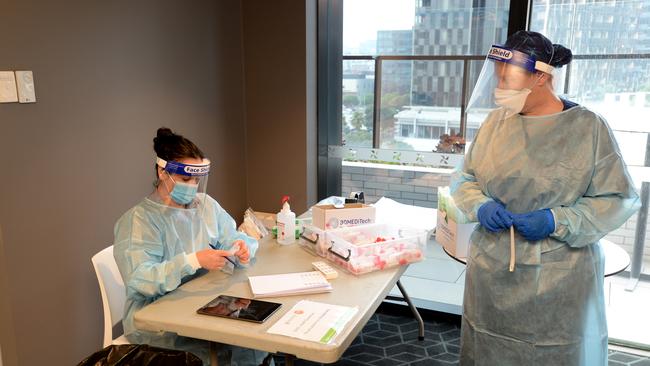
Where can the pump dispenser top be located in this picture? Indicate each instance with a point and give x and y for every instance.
(285, 206)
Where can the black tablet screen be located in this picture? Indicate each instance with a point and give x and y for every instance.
(239, 308)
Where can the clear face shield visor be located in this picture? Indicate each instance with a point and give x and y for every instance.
(505, 81)
(187, 183)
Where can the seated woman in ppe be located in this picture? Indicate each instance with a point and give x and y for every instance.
(166, 240)
(552, 169)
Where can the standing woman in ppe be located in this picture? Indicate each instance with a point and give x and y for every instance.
(166, 240)
(552, 169)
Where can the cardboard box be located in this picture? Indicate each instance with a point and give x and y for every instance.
(452, 236)
(453, 229)
(328, 217)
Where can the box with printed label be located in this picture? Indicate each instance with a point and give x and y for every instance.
(453, 229)
(328, 217)
(366, 248)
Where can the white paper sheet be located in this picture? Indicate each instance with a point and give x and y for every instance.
(389, 211)
(314, 321)
(289, 284)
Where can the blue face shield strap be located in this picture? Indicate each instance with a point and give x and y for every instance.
(514, 57)
(190, 170)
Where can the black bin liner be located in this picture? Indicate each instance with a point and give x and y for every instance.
(140, 355)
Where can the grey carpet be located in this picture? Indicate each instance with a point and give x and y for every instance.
(390, 339)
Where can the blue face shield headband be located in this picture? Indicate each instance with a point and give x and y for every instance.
(190, 170)
(184, 193)
(514, 57)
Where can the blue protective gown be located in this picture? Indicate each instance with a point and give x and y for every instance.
(551, 309)
(151, 243)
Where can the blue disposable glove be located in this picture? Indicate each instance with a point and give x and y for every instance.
(535, 225)
(494, 216)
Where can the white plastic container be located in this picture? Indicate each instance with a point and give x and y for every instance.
(313, 240)
(286, 222)
(367, 248)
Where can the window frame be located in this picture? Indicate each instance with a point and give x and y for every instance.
(329, 94)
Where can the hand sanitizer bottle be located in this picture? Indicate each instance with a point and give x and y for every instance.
(286, 221)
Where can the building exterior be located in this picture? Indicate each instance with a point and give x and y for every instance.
(422, 126)
(396, 75)
(591, 27)
(459, 27)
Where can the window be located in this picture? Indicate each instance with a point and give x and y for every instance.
(433, 87)
(405, 71)
(425, 132)
(407, 131)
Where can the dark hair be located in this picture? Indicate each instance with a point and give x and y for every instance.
(172, 147)
(536, 44)
(562, 56)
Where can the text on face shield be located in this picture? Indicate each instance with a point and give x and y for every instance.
(196, 169)
(500, 53)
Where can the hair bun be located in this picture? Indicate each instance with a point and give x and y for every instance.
(163, 142)
(561, 56)
(164, 132)
(171, 146)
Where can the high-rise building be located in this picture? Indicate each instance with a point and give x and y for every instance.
(459, 27)
(396, 75)
(592, 27)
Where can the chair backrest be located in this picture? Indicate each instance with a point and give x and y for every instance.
(112, 289)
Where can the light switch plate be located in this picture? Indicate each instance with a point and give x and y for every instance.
(25, 86)
(8, 92)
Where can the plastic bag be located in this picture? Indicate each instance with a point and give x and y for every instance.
(252, 226)
(141, 355)
(337, 201)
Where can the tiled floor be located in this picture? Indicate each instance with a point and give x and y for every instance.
(390, 339)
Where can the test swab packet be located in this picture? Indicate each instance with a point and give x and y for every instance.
(229, 266)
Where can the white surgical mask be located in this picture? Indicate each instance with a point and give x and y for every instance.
(511, 100)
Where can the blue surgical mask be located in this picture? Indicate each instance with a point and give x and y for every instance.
(183, 193)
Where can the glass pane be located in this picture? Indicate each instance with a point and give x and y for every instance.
(476, 116)
(594, 27)
(619, 90)
(459, 27)
(369, 25)
(419, 27)
(358, 99)
(420, 102)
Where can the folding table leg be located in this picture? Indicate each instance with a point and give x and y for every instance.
(414, 310)
(213, 354)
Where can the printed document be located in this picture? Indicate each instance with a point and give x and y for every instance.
(314, 321)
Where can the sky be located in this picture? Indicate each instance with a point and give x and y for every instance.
(362, 18)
